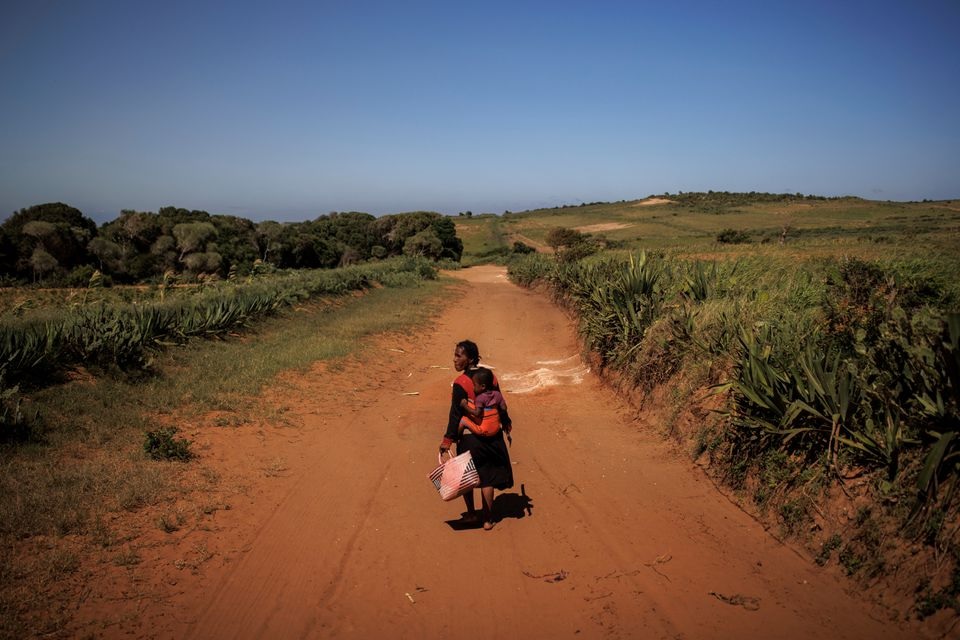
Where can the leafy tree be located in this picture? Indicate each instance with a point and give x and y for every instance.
(134, 232)
(140, 245)
(236, 242)
(269, 239)
(352, 229)
(424, 244)
(61, 230)
(164, 250)
(310, 251)
(570, 244)
(53, 212)
(8, 254)
(108, 253)
(198, 252)
(137, 230)
(560, 237)
(304, 252)
(172, 216)
(203, 262)
(328, 253)
(349, 256)
(39, 229)
(393, 231)
(446, 231)
(42, 262)
(192, 237)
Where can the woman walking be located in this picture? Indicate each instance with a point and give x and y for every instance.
(489, 452)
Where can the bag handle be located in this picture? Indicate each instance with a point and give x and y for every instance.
(440, 456)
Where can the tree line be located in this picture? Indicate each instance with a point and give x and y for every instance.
(56, 244)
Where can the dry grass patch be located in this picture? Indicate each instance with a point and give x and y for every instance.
(606, 226)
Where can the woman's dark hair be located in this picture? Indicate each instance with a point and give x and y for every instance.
(470, 349)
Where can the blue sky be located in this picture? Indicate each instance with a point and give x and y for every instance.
(288, 110)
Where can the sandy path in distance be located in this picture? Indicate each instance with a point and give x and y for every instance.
(607, 533)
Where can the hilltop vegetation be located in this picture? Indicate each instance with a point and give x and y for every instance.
(57, 245)
(691, 222)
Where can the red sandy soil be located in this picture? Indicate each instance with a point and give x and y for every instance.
(334, 530)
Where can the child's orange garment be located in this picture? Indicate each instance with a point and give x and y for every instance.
(492, 403)
(463, 390)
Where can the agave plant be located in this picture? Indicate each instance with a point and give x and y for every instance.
(813, 399)
(882, 438)
(616, 302)
(698, 285)
(123, 335)
(828, 394)
(762, 389)
(940, 399)
(26, 347)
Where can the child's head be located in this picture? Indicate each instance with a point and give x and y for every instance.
(482, 379)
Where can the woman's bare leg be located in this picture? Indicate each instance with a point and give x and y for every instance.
(471, 505)
(486, 494)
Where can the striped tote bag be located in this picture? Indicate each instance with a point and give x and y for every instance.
(455, 476)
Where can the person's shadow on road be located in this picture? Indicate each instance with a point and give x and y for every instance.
(513, 505)
(505, 505)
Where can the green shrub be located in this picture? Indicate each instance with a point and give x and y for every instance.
(521, 248)
(829, 546)
(732, 236)
(527, 269)
(161, 444)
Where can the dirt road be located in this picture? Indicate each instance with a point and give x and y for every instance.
(608, 533)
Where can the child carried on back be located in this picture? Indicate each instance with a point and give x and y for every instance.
(483, 417)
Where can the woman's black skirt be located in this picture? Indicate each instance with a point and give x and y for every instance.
(491, 457)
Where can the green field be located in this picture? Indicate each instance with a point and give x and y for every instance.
(689, 225)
